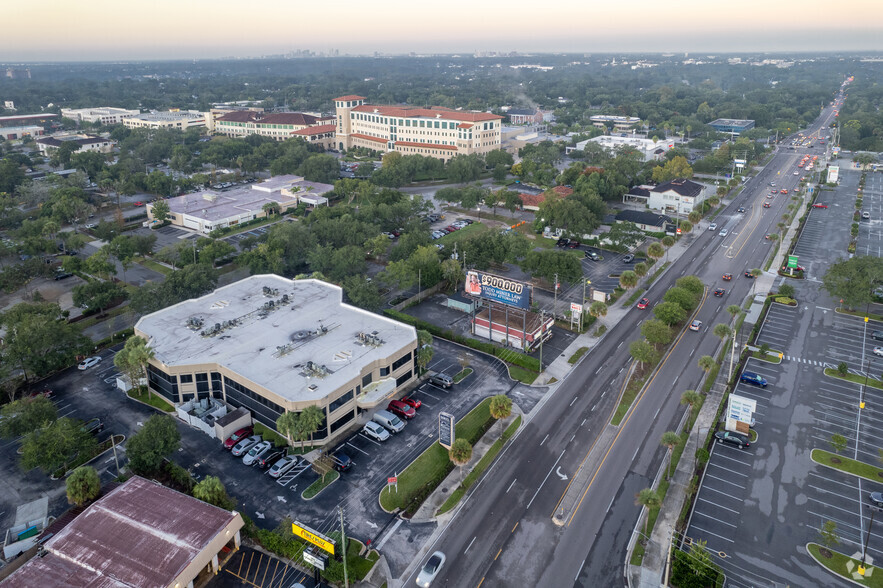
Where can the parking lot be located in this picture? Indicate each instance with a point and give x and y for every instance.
(870, 233)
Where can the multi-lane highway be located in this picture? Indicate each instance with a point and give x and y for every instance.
(504, 535)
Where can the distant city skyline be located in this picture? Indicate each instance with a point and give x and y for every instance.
(101, 30)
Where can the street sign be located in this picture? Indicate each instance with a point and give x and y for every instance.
(792, 261)
(576, 308)
(392, 480)
(313, 537)
(446, 429)
(316, 559)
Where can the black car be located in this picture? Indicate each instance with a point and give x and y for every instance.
(62, 275)
(876, 498)
(741, 209)
(270, 458)
(342, 462)
(732, 438)
(562, 242)
(719, 292)
(573, 244)
(748, 274)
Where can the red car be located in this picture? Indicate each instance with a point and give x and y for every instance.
(643, 303)
(238, 436)
(45, 393)
(728, 277)
(819, 205)
(783, 191)
(412, 402)
(766, 204)
(399, 408)
(139, 203)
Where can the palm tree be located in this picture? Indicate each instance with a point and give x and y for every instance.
(138, 355)
(754, 273)
(649, 499)
(460, 453)
(501, 408)
(598, 309)
(655, 250)
(287, 425)
(310, 419)
(670, 439)
(270, 208)
(686, 227)
(706, 362)
(628, 280)
(722, 331)
(734, 309)
(691, 398)
(667, 241)
(694, 217)
(641, 269)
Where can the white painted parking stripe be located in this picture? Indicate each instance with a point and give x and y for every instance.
(732, 459)
(356, 448)
(707, 516)
(716, 505)
(707, 475)
(721, 492)
(710, 533)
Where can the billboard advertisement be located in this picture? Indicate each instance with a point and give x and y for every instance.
(502, 290)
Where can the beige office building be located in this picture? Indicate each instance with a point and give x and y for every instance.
(431, 132)
(173, 119)
(278, 126)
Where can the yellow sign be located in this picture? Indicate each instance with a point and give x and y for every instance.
(313, 537)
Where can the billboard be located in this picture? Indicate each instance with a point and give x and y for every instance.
(446, 429)
(313, 537)
(497, 289)
(833, 174)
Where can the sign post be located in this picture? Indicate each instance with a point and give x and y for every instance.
(576, 315)
(446, 429)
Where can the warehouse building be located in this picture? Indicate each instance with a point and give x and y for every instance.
(271, 345)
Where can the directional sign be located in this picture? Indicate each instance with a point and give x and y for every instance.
(446, 429)
(313, 537)
(316, 559)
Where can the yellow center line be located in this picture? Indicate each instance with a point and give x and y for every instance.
(634, 409)
(513, 528)
(480, 582)
(498, 554)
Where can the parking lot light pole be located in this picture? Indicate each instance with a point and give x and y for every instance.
(874, 509)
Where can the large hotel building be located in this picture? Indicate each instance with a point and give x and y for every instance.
(431, 132)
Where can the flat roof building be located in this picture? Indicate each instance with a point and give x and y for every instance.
(9, 133)
(620, 123)
(105, 115)
(273, 345)
(648, 148)
(173, 119)
(432, 132)
(138, 534)
(730, 125)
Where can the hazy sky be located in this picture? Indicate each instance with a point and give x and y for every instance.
(56, 30)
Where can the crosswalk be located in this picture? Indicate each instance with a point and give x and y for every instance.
(807, 361)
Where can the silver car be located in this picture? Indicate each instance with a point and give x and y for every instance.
(375, 431)
(282, 466)
(243, 446)
(431, 569)
(256, 452)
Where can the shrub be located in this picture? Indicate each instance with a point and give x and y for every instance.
(842, 368)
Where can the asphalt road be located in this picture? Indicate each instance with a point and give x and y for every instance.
(504, 534)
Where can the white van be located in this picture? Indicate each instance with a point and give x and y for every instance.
(388, 420)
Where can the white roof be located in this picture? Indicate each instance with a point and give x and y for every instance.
(308, 322)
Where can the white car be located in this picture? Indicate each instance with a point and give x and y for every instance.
(695, 325)
(282, 466)
(878, 351)
(724, 233)
(712, 227)
(89, 362)
(375, 431)
(431, 569)
(256, 452)
(246, 444)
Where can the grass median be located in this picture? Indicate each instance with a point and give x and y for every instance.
(847, 465)
(154, 400)
(843, 566)
(426, 472)
(323, 482)
(855, 378)
(579, 353)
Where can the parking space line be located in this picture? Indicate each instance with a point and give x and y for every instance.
(716, 505)
(710, 533)
(727, 494)
(356, 448)
(707, 516)
(707, 475)
(745, 463)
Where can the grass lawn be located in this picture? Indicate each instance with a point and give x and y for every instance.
(320, 484)
(638, 553)
(268, 434)
(153, 265)
(522, 375)
(631, 392)
(579, 353)
(634, 297)
(854, 378)
(843, 566)
(464, 233)
(771, 356)
(480, 467)
(426, 472)
(155, 400)
(871, 315)
(848, 465)
(462, 375)
(657, 272)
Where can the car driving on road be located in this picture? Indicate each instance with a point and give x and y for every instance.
(643, 303)
(430, 569)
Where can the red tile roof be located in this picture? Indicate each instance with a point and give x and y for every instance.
(290, 118)
(427, 145)
(368, 137)
(316, 130)
(435, 112)
(563, 191)
(465, 126)
(532, 199)
(349, 97)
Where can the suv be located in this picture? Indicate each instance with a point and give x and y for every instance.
(732, 438)
(756, 379)
(712, 227)
(399, 408)
(375, 431)
(341, 461)
(878, 335)
(592, 255)
(238, 436)
(440, 379)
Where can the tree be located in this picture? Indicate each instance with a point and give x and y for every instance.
(667, 241)
(501, 408)
(270, 208)
(23, 416)
(545, 264)
(98, 264)
(82, 485)
(362, 293)
(734, 309)
(655, 250)
(676, 168)
(52, 446)
(133, 359)
(706, 363)
(694, 217)
(641, 269)
(656, 332)
(649, 499)
(158, 438)
(682, 297)
(287, 425)
(699, 560)
(212, 250)
(642, 352)
(786, 290)
(670, 439)
(311, 420)
(625, 234)
(838, 442)
(670, 313)
(828, 534)
(211, 490)
(854, 280)
(460, 453)
(96, 295)
(628, 279)
(692, 284)
(722, 331)
(598, 309)
(160, 211)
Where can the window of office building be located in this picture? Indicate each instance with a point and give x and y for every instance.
(202, 382)
(384, 371)
(336, 425)
(343, 399)
(185, 378)
(403, 378)
(163, 383)
(401, 361)
(367, 379)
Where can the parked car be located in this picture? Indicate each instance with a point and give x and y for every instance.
(93, 426)
(256, 452)
(732, 438)
(876, 498)
(270, 457)
(430, 569)
(719, 292)
(441, 379)
(878, 351)
(573, 244)
(375, 431)
(89, 362)
(865, 215)
(562, 242)
(62, 275)
(753, 378)
(695, 325)
(592, 255)
(245, 445)
(390, 422)
(643, 303)
(412, 402)
(878, 335)
(281, 467)
(341, 461)
(628, 258)
(238, 436)
(821, 205)
(399, 408)
(45, 393)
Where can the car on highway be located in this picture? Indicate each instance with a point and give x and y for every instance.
(643, 303)
(769, 196)
(766, 204)
(89, 362)
(695, 325)
(430, 569)
(865, 215)
(412, 402)
(256, 452)
(400, 409)
(724, 233)
(281, 467)
(878, 351)
(819, 205)
(719, 292)
(375, 431)
(753, 378)
(748, 274)
(732, 438)
(712, 227)
(238, 436)
(728, 277)
(245, 445)
(741, 209)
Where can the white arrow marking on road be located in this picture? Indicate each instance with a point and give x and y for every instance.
(372, 525)
(281, 499)
(560, 475)
(260, 515)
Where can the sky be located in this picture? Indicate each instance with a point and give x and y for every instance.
(105, 30)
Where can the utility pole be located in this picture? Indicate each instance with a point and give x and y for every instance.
(732, 354)
(346, 581)
(542, 325)
(555, 303)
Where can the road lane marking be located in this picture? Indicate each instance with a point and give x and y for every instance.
(552, 469)
(584, 422)
(509, 488)
(574, 400)
(544, 440)
(498, 554)
(470, 545)
(515, 527)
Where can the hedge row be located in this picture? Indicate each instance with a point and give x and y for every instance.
(507, 355)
